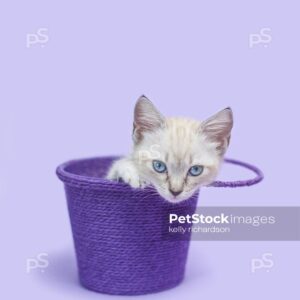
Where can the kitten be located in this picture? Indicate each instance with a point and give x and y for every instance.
(175, 155)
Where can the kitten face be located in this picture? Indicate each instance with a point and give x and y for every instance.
(178, 155)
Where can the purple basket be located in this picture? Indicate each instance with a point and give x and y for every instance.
(120, 244)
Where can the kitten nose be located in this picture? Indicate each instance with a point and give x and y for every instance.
(174, 193)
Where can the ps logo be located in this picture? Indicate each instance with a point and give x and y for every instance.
(41, 37)
(40, 262)
(265, 262)
(263, 37)
(152, 153)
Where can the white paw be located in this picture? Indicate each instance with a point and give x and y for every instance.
(125, 171)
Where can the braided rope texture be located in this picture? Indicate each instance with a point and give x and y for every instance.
(240, 183)
(119, 232)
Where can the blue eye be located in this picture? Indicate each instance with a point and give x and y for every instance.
(196, 170)
(159, 166)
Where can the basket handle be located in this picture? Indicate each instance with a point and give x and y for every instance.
(232, 184)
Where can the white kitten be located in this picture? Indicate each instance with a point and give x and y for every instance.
(175, 155)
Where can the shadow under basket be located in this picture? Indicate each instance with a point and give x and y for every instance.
(120, 233)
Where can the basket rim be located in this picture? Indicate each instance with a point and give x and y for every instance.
(100, 182)
(82, 180)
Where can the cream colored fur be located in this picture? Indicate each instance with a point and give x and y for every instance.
(179, 143)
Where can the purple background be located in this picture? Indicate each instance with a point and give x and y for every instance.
(74, 98)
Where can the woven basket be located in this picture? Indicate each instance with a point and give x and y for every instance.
(120, 244)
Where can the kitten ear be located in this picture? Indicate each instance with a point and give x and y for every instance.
(218, 128)
(146, 118)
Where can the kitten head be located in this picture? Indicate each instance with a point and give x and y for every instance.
(178, 155)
